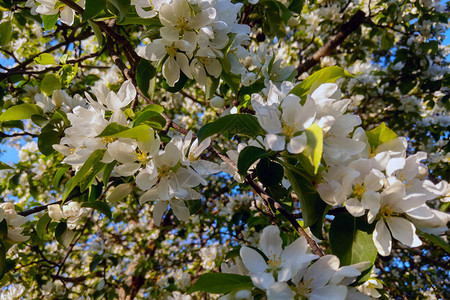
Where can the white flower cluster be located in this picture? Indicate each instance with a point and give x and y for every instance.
(193, 35)
(391, 187)
(285, 119)
(383, 181)
(52, 7)
(321, 279)
(167, 174)
(14, 221)
(71, 211)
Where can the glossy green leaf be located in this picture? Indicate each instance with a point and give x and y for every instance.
(49, 21)
(121, 7)
(46, 141)
(311, 205)
(50, 83)
(151, 118)
(3, 229)
(67, 73)
(220, 283)
(92, 160)
(93, 8)
(326, 75)
(141, 132)
(314, 148)
(296, 6)
(3, 251)
(63, 235)
(20, 112)
(145, 72)
(101, 206)
(212, 84)
(89, 178)
(4, 166)
(58, 175)
(243, 124)
(436, 240)
(41, 226)
(45, 59)
(98, 32)
(107, 172)
(248, 156)
(380, 135)
(351, 240)
(269, 173)
(5, 33)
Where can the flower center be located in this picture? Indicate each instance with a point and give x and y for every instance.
(303, 288)
(288, 130)
(182, 24)
(274, 263)
(141, 156)
(386, 211)
(108, 139)
(164, 171)
(359, 190)
(172, 51)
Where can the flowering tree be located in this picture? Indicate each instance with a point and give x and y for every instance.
(189, 149)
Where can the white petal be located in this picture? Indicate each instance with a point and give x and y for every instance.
(329, 292)
(403, 231)
(382, 238)
(270, 241)
(158, 211)
(280, 290)
(274, 142)
(171, 71)
(354, 207)
(297, 144)
(252, 260)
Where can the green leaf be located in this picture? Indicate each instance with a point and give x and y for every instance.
(145, 72)
(101, 206)
(92, 160)
(49, 21)
(20, 112)
(5, 33)
(212, 84)
(232, 80)
(351, 240)
(269, 173)
(311, 204)
(194, 205)
(121, 7)
(133, 19)
(98, 32)
(63, 235)
(314, 147)
(41, 226)
(243, 124)
(3, 251)
(151, 118)
(296, 6)
(49, 84)
(3, 229)
(436, 240)
(4, 166)
(89, 178)
(178, 86)
(152, 107)
(141, 132)
(248, 156)
(380, 135)
(67, 73)
(46, 140)
(107, 172)
(92, 8)
(220, 283)
(326, 75)
(45, 59)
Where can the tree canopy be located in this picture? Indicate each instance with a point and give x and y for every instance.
(224, 149)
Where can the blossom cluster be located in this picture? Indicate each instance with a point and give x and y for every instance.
(193, 35)
(166, 175)
(272, 271)
(380, 180)
(14, 222)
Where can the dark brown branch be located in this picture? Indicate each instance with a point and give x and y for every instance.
(333, 43)
(3, 135)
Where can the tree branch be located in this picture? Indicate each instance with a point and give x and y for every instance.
(333, 43)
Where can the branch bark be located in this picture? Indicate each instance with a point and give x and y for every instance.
(333, 43)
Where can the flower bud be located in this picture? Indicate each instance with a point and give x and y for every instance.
(55, 212)
(217, 102)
